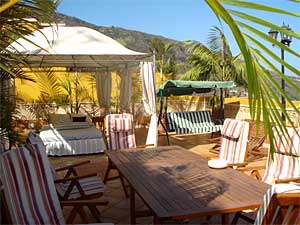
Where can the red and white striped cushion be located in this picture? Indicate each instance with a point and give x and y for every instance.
(288, 146)
(29, 188)
(234, 147)
(232, 128)
(120, 131)
(286, 159)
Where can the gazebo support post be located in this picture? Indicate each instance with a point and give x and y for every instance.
(160, 117)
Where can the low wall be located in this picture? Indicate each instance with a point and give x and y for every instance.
(242, 111)
(232, 109)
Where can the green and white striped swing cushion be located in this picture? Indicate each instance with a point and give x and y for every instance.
(191, 122)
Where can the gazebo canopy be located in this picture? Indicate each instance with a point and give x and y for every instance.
(75, 47)
(181, 87)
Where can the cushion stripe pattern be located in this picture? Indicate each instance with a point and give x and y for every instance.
(191, 122)
(120, 131)
(286, 159)
(29, 188)
(90, 185)
(234, 147)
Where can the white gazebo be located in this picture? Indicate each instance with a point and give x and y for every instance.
(82, 48)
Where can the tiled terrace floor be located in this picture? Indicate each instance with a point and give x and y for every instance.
(117, 210)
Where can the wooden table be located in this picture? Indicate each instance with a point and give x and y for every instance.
(177, 184)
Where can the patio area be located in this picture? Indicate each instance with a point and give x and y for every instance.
(118, 209)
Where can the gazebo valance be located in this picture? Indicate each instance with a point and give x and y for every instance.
(75, 47)
(180, 87)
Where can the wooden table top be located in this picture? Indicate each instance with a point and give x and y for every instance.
(176, 183)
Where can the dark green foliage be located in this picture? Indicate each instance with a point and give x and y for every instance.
(15, 22)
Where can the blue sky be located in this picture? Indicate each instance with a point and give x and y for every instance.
(175, 19)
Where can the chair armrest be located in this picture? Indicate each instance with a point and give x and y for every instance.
(254, 171)
(144, 146)
(218, 121)
(63, 180)
(244, 169)
(215, 140)
(83, 202)
(72, 166)
(237, 164)
(280, 181)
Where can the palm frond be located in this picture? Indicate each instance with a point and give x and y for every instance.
(263, 90)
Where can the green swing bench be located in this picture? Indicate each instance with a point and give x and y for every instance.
(188, 122)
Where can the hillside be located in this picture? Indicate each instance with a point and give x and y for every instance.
(139, 41)
(134, 40)
(290, 91)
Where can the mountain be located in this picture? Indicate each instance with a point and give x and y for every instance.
(134, 40)
(294, 95)
(139, 41)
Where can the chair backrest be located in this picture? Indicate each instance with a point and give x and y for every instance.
(256, 135)
(35, 139)
(120, 131)
(281, 205)
(29, 188)
(234, 139)
(285, 161)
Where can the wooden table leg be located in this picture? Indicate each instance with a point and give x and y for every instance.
(156, 220)
(225, 219)
(132, 206)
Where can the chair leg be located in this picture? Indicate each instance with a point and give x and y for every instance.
(239, 215)
(236, 218)
(95, 212)
(73, 213)
(106, 177)
(123, 185)
(107, 171)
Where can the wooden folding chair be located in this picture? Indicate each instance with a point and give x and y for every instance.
(120, 134)
(283, 165)
(281, 205)
(234, 140)
(29, 195)
(256, 140)
(72, 186)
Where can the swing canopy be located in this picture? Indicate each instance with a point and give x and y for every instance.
(182, 87)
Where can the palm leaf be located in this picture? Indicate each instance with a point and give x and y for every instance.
(260, 7)
(260, 82)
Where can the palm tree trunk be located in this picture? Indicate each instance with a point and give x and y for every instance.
(161, 71)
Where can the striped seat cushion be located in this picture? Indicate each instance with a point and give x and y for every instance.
(29, 188)
(285, 162)
(191, 122)
(120, 131)
(234, 147)
(90, 186)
